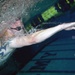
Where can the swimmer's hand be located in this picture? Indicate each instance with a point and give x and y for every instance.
(70, 28)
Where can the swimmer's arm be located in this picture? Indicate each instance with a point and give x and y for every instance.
(36, 37)
(39, 36)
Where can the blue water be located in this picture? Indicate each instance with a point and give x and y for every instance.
(64, 61)
(55, 56)
(42, 6)
(61, 49)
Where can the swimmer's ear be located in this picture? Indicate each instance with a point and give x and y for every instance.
(9, 33)
(2, 33)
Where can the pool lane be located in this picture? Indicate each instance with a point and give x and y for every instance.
(57, 58)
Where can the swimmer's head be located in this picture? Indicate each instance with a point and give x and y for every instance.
(12, 9)
(15, 30)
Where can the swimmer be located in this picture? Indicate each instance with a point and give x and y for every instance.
(12, 37)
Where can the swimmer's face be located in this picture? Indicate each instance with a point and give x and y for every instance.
(15, 30)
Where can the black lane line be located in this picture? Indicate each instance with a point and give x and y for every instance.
(58, 50)
(51, 71)
(54, 59)
(61, 44)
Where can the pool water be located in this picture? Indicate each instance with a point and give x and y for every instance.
(57, 57)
